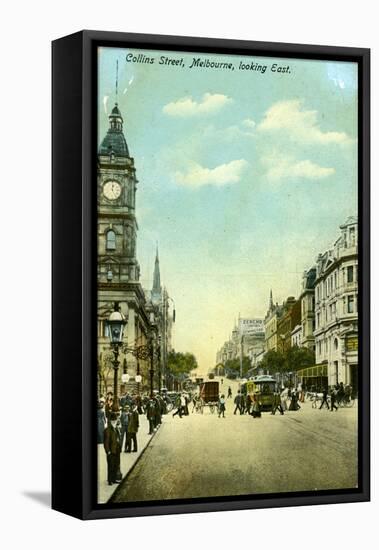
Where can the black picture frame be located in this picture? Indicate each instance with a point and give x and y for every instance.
(74, 137)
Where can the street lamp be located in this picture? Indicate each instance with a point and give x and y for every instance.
(116, 324)
(159, 364)
(151, 372)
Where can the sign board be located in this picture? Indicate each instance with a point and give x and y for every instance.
(251, 326)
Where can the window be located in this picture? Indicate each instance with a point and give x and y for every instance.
(111, 240)
(352, 236)
(350, 304)
(350, 274)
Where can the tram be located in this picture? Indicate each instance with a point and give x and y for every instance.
(263, 387)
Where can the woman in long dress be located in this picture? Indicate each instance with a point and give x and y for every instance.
(255, 407)
(294, 405)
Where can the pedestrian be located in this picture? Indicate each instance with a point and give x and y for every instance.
(108, 406)
(294, 405)
(123, 401)
(133, 426)
(340, 393)
(248, 403)
(158, 412)
(229, 392)
(150, 414)
(276, 403)
(324, 398)
(138, 401)
(112, 446)
(243, 403)
(101, 422)
(186, 401)
(255, 407)
(221, 406)
(124, 426)
(333, 398)
(178, 404)
(238, 402)
(283, 399)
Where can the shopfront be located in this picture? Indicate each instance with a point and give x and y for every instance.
(314, 378)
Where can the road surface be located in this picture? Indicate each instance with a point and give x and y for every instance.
(202, 455)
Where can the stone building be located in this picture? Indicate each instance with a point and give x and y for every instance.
(274, 313)
(118, 271)
(288, 320)
(297, 336)
(336, 307)
(247, 340)
(307, 299)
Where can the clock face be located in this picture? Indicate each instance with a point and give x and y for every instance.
(112, 190)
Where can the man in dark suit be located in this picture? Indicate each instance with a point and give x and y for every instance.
(238, 401)
(112, 446)
(324, 399)
(133, 426)
(276, 403)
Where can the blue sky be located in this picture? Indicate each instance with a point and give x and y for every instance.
(244, 177)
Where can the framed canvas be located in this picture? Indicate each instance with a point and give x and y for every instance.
(210, 275)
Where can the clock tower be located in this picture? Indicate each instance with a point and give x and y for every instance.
(116, 189)
(118, 270)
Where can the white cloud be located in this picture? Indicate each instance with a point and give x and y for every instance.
(299, 124)
(197, 175)
(187, 107)
(279, 168)
(249, 123)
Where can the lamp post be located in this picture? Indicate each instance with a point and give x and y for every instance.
(116, 324)
(159, 365)
(138, 378)
(151, 371)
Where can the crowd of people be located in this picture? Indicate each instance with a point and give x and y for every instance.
(336, 395)
(117, 427)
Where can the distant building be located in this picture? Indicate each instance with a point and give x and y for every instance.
(274, 313)
(297, 336)
(336, 307)
(247, 340)
(289, 319)
(307, 299)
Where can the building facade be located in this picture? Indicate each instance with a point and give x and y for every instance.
(273, 314)
(336, 307)
(118, 270)
(289, 319)
(307, 299)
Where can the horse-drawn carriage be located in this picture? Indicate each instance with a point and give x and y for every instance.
(208, 397)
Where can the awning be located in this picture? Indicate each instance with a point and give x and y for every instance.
(316, 371)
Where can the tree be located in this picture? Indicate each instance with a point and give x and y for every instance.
(273, 362)
(299, 358)
(233, 367)
(291, 360)
(181, 364)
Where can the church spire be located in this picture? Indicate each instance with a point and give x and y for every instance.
(271, 304)
(156, 292)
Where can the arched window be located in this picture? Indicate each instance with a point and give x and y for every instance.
(335, 344)
(111, 240)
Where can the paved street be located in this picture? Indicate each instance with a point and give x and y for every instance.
(203, 455)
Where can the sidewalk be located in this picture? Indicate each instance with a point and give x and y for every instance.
(128, 460)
